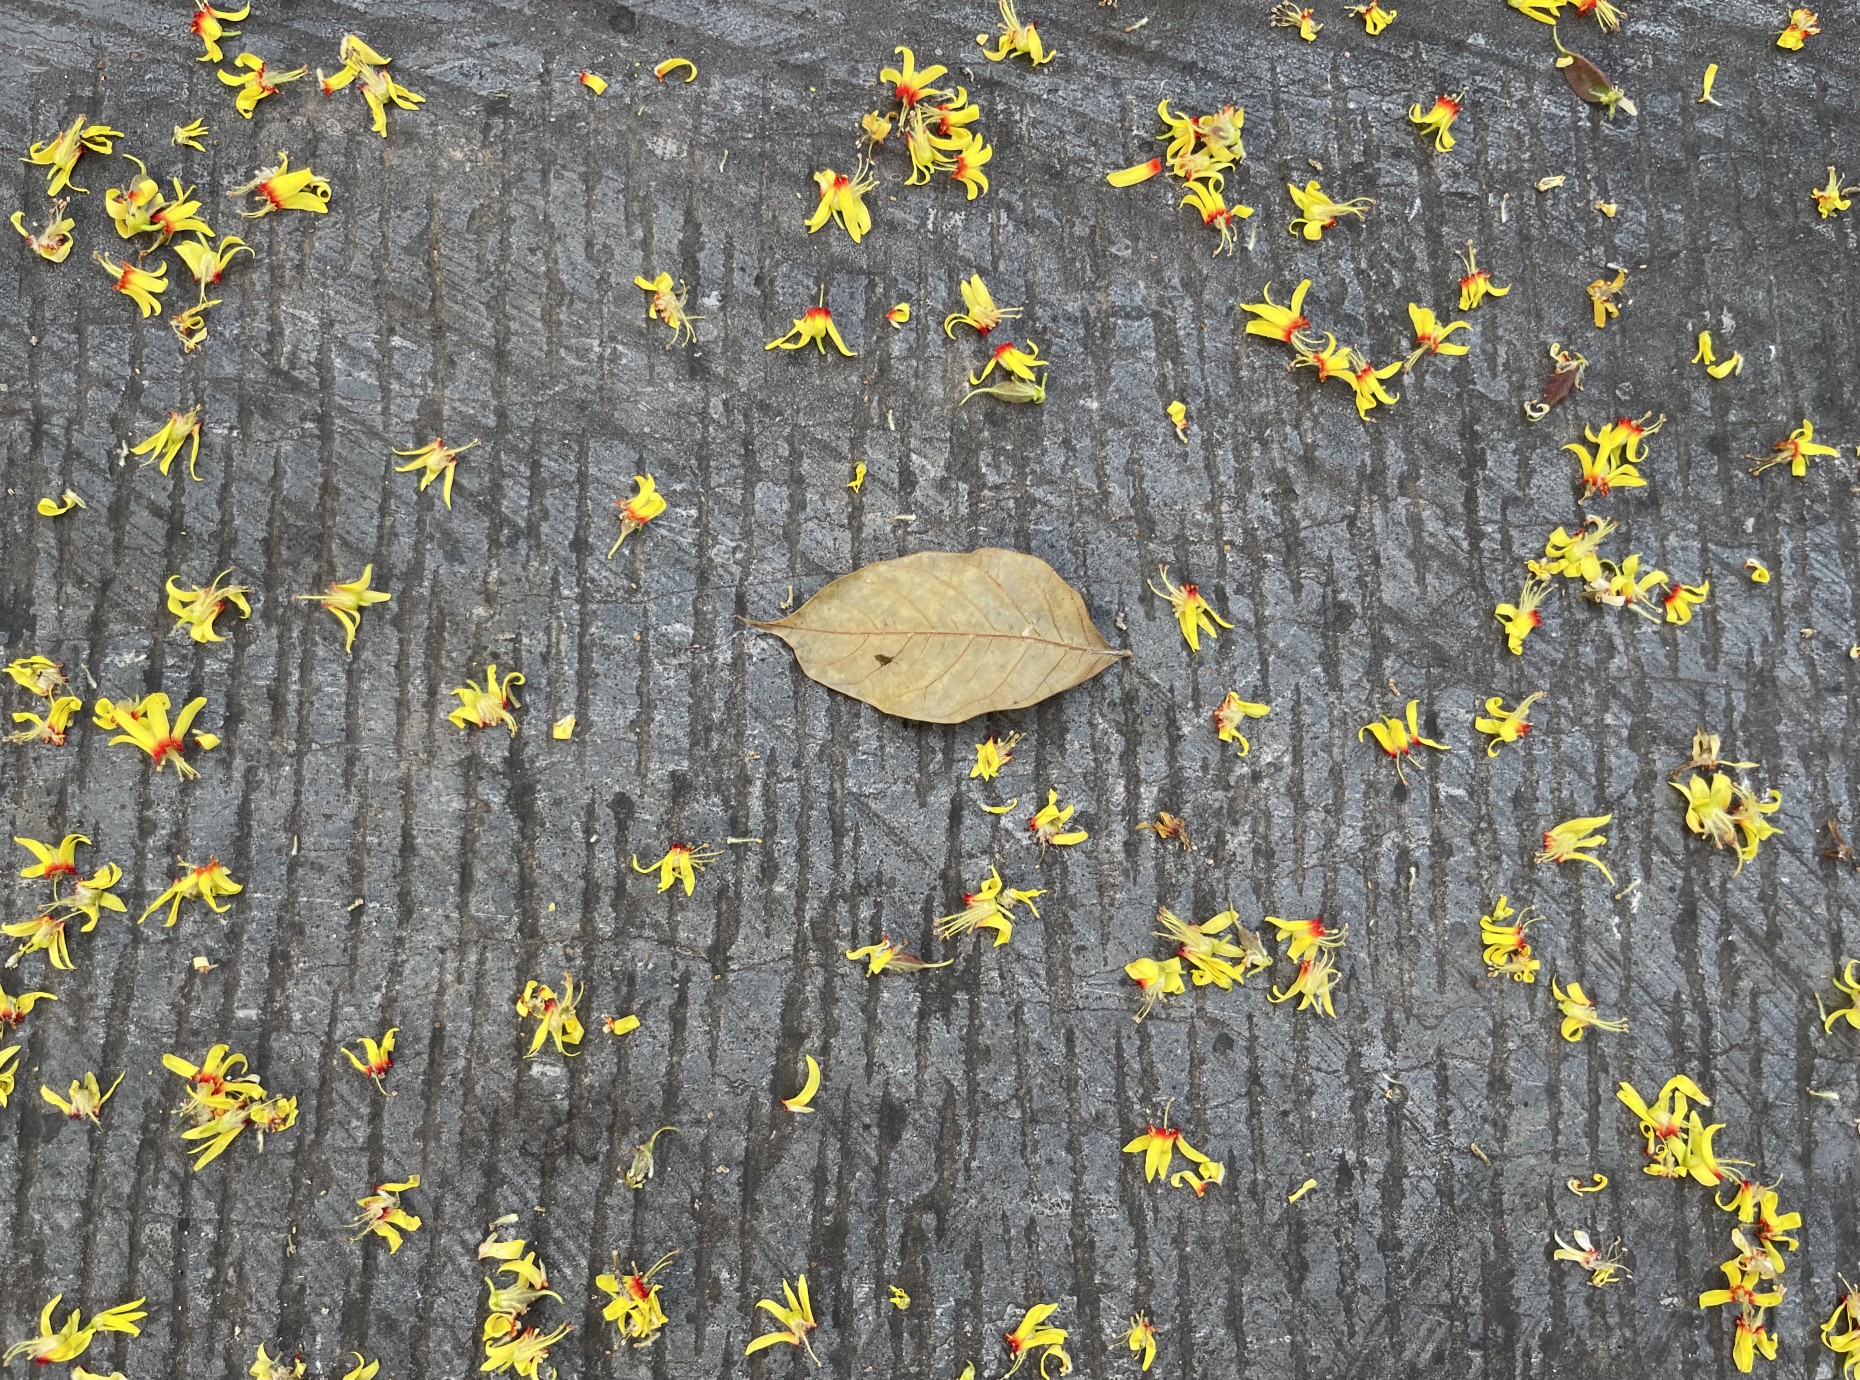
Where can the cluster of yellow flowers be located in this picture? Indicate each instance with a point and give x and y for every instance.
(73, 896)
(1200, 151)
(1223, 953)
(224, 1101)
(509, 1343)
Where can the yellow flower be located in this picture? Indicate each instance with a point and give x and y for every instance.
(522, 1352)
(1019, 362)
(1604, 1267)
(283, 188)
(909, 85)
(666, 305)
(1158, 1145)
(266, 1367)
(1624, 586)
(645, 504)
(42, 934)
(1664, 1122)
(196, 609)
(1520, 618)
(681, 863)
(1275, 322)
(1439, 119)
(1477, 285)
(38, 675)
(1032, 1334)
(1212, 957)
(1049, 825)
(635, 1310)
(796, 1316)
(180, 431)
(1430, 337)
(144, 724)
(1505, 725)
(554, 1016)
(1206, 198)
(813, 327)
(72, 1338)
(857, 482)
(1572, 841)
(84, 1100)
(1759, 573)
(1747, 813)
(363, 64)
(91, 896)
(363, 1369)
(205, 884)
(1602, 295)
(1141, 1338)
(990, 907)
(1333, 361)
(1507, 951)
(209, 27)
(189, 135)
(1579, 1013)
(435, 460)
(1155, 980)
(639, 1170)
(53, 244)
(1795, 451)
(1706, 356)
(376, 1058)
(1682, 599)
(1620, 446)
(1399, 740)
(979, 313)
(1233, 711)
(1575, 556)
(1317, 212)
(1375, 20)
(1308, 935)
(842, 199)
(9, 1076)
(487, 705)
(58, 507)
(53, 863)
(1193, 614)
(1286, 15)
(803, 1100)
(1366, 380)
(50, 730)
(967, 168)
(1847, 984)
(1841, 1332)
(1015, 38)
(255, 82)
(348, 599)
(144, 289)
(991, 755)
(61, 152)
(383, 1215)
(885, 954)
(1313, 983)
(1803, 25)
(14, 1010)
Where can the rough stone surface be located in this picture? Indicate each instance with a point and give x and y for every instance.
(474, 279)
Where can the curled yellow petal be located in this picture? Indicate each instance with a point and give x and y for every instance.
(672, 64)
(799, 1102)
(858, 478)
(58, 507)
(1595, 1185)
(1759, 573)
(1003, 809)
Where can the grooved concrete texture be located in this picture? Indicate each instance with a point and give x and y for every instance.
(474, 279)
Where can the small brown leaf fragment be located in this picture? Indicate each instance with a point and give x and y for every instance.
(1565, 378)
(1591, 83)
(942, 637)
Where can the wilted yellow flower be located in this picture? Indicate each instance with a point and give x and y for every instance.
(196, 609)
(1572, 841)
(53, 244)
(267, 1367)
(645, 504)
(9, 1074)
(72, 1338)
(1706, 356)
(842, 199)
(209, 27)
(1399, 740)
(1013, 359)
(376, 1058)
(1432, 338)
(487, 705)
(435, 460)
(1575, 557)
(1155, 980)
(796, 1316)
(989, 908)
(180, 431)
(639, 1169)
(189, 135)
(1193, 614)
(1507, 951)
(383, 1215)
(1015, 38)
(681, 863)
(142, 288)
(1313, 983)
(1141, 1338)
(672, 64)
(348, 599)
(1504, 725)
(991, 755)
(1795, 451)
(15, 1009)
(803, 1100)
(886, 955)
(1602, 296)
(255, 81)
(1477, 285)
(1032, 1334)
(1579, 1012)
(1681, 599)
(364, 65)
(144, 724)
(84, 1100)
(554, 1016)
(635, 1310)
(1803, 25)
(668, 305)
(1604, 1266)
(1213, 954)
(61, 152)
(205, 884)
(1317, 212)
(1847, 984)
(50, 730)
(813, 327)
(1158, 1145)
(1438, 119)
(1233, 711)
(1375, 19)
(1049, 825)
(363, 1369)
(283, 188)
(38, 675)
(58, 507)
(1286, 15)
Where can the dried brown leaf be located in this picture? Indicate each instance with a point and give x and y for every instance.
(943, 636)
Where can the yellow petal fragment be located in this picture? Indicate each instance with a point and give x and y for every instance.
(799, 1102)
